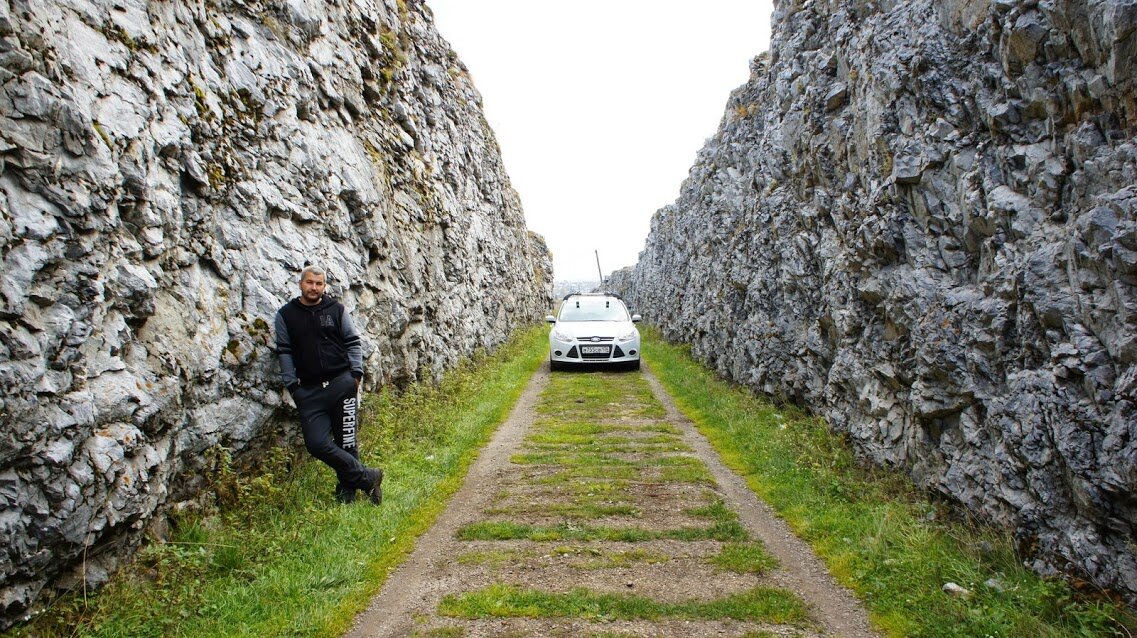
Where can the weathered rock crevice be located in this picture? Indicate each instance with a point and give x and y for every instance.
(920, 220)
(165, 170)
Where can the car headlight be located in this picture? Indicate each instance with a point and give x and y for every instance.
(629, 335)
(561, 336)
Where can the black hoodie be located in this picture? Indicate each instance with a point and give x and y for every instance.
(316, 343)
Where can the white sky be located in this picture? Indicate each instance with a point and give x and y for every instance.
(600, 106)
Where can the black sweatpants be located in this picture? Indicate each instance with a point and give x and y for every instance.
(328, 420)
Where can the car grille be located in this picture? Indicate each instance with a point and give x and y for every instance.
(617, 352)
(594, 339)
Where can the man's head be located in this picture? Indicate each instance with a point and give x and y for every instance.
(312, 285)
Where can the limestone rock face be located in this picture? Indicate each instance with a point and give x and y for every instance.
(166, 168)
(920, 220)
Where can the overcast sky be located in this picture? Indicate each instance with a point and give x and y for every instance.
(600, 106)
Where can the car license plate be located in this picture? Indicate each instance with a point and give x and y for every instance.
(594, 349)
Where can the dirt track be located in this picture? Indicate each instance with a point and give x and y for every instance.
(642, 477)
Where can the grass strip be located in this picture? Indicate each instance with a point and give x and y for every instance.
(573, 474)
(730, 530)
(641, 459)
(278, 556)
(875, 531)
(571, 458)
(568, 510)
(744, 558)
(715, 510)
(583, 557)
(760, 604)
(440, 632)
(595, 443)
(589, 396)
(595, 427)
(496, 557)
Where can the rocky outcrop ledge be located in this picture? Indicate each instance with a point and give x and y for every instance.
(920, 220)
(166, 168)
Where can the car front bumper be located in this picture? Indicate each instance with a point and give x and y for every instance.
(583, 352)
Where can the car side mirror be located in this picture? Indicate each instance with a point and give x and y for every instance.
(637, 318)
(550, 319)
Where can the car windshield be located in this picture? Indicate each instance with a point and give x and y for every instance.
(593, 310)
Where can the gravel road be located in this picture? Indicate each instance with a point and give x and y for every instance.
(529, 479)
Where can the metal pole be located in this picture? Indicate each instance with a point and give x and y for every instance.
(600, 272)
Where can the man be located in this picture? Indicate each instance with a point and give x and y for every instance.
(321, 363)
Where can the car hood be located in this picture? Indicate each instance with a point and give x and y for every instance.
(594, 328)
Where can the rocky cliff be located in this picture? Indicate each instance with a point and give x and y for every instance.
(920, 220)
(166, 168)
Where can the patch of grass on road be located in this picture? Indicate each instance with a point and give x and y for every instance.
(584, 557)
(574, 511)
(441, 632)
(716, 510)
(589, 472)
(568, 458)
(875, 531)
(579, 394)
(597, 487)
(764, 604)
(744, 558)
(694, 472)
(509, 530)
(280, 557)
(495, 557)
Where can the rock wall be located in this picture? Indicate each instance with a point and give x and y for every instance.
(166, 168)
(920, 220)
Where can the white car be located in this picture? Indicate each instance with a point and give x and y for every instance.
(593, 328)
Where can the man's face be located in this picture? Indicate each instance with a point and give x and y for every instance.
(311, 289)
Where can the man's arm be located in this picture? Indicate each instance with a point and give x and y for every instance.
(354, 345)
(284, 353)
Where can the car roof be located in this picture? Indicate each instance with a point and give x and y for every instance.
(598, 295)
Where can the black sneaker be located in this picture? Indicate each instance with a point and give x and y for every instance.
(375, 492)
(344, 494)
